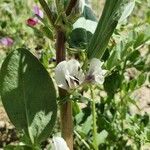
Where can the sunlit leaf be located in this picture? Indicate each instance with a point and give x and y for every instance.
(86, 24)
(128, 10)
(111, 14)
(101, 137)
(28, 95)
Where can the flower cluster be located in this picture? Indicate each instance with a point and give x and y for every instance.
(34, 20)
(69, 75)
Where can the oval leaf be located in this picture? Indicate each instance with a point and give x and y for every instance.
(28, 95)
(127, 10)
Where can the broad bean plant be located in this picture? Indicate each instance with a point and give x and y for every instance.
(81, 86)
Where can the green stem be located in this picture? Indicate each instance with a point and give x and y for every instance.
(94, 120)
(47, 11)
(82, 140)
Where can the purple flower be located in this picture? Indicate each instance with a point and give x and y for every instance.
(7, 41)
(37, 11)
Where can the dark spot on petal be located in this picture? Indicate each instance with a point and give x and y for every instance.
(67, 82)
(76, 80)
(79, 68)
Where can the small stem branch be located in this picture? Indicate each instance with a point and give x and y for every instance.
(82, 140)
(60, 46)
(71, 5)
(94, 120)
(65, 108)
(47, 11)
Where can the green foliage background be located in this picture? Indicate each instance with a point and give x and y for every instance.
(128, 48)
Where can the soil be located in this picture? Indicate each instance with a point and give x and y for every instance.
(8, 134)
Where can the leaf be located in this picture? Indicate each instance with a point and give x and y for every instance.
(101, 137)
(112, 83)
(148, 135)
(47, 32)
(28, 95)
(127, 11)
(82, 33)
(133, 56)
(132, 84)
(86, 24)
(112, 12)
(139, 64)
(79, 38)
(139, 40)
(145, 119)
(141, 79)
(76, 108)
(86, 126)
(112, 61)
(88, 13)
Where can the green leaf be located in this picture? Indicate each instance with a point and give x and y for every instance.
(127, 11)
(139, 64)
(148, 135)
(88, 13)
(112, 83)
(87, 125)
(101, 137)
(47, 32)
(76, 108)
(112, 12)
(141, 79)
(28, 95)
(139, 40)
(79, 38)
(133, 56)
(132, 84)
(114, 58)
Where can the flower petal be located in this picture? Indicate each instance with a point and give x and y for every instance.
(95, 73)
(60, 75)
(32, 22)
(59, 144)
(37, 11)
(69, 74)
(7, 41)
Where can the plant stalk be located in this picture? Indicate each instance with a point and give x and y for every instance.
(65, 108)
(71, 5)
(94, 120)
(47, 11)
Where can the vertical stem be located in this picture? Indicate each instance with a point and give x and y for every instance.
(70, 6)
(67, 124)
(65, 108)
(94, 120)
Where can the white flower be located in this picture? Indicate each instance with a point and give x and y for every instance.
(95, 73)
(68, 74)
(59, 143)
